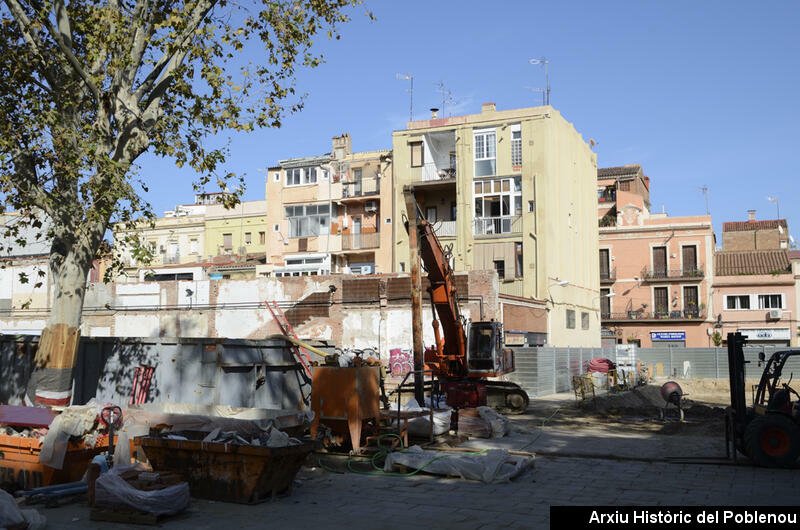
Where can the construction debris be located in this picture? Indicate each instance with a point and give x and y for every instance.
(122, 488)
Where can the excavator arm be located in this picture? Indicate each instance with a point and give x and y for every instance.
(451, 344)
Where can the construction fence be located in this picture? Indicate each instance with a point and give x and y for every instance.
(547, 370)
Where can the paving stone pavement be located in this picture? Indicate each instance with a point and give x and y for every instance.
(382, 502)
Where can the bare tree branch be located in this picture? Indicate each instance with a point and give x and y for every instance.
(24, 24)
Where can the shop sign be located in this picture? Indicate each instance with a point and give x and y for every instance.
(767, 334)
(668, 335)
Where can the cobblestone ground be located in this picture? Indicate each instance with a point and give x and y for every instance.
(358, 501)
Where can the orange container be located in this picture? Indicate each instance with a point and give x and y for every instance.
(20, 467)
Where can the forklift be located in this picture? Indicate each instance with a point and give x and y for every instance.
(768, 432)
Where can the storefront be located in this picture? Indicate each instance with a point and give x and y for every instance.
(661, 339)
(767, 336)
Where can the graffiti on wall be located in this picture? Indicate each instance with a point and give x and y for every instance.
(400, 361)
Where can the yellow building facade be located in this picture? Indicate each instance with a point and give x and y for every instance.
(514, 191)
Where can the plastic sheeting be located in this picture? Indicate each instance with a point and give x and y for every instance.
(11, 515)
(73, 421)
(112, 491)
(422, 426)
(494, 466)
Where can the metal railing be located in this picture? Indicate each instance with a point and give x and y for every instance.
(489, 226)
(609, 275)
(361, 241)
(430, 171)
(607, 197)
(445, 228)
(677, 314)
(666, 274)
(362, 187)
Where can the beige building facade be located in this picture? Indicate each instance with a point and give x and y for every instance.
(330, 213)
(512, 191)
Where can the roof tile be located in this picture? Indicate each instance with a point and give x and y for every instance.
(734, 263)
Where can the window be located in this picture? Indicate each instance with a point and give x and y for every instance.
(770, 301)
(500, 267)
(518, 260)
(737, 301)
(276, 228)
(689, 259)
(531, 206)
(417, 156)
(248, 238)
(277, 177)
(605, 269)
(193, 246)
(453, 211)
(227, 241)
(402, 266)
(496, 203)
(624, 185)
(301, 175)
(293, 176)
(262, 238)
(660, 300)
(691, 306)
(605, 303)
(570, 319)
(584, 320)
(485, 152)
(659, 262)
(516, 145)
(308, 219)
(388, 220)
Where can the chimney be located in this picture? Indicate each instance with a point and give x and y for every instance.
(488, 107)
(434, 113)
(751, 215)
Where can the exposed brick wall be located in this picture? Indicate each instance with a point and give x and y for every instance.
(524, 318)
(361, 290)
(313, 305)
(751, 240)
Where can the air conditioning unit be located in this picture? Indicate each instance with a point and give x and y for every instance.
(775, 314)
(371, 206)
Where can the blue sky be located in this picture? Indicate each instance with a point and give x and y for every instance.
(698, 93)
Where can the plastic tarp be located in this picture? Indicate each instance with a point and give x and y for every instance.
(112, 491)
(73, 421)
(494, 466)
(11, 515)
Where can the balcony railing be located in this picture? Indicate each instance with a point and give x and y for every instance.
(608, 276)
(362, 187)
(490, 226)
(361, 241)
(445, 228)
(431, 171)
(607, 197)
(673, 274)
(677, 314)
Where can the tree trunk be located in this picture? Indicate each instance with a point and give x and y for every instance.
(70, 262)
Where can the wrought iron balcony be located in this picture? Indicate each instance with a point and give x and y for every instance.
(677, 314)
(609, 276)
(366, 186)
(687, 273)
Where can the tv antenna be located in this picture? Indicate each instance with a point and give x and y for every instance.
(546, 92)
(409, 77)
(704, 190)
(444, 91)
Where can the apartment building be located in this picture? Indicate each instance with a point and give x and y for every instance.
(330, 213)
(239, 231)
(513, 191)
(656, 271)
(756, 293)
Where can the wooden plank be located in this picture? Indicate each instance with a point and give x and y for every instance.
(35, 417)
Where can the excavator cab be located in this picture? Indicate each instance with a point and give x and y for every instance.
(485, 353)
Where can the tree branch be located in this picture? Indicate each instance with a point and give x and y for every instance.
(165, 65)
(66, 48)
(24, 24)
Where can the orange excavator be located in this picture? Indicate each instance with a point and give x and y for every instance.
(466, 353)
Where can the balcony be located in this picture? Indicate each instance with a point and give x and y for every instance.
(445, 228)
(432, 171)
(365, 187)
(685, 274)
(360, 241)
(608, 276)
(607, 196)
(494, 226)
(658, 316)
